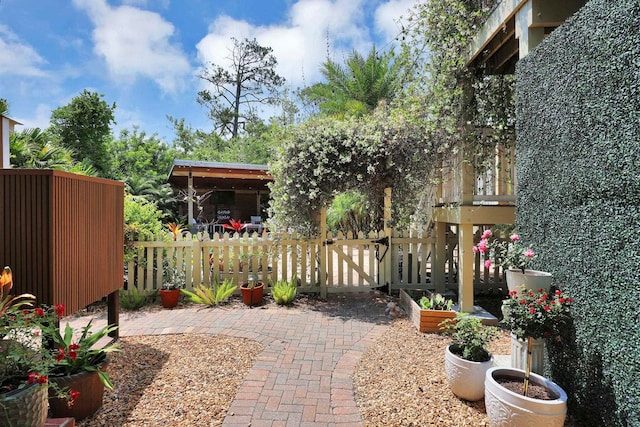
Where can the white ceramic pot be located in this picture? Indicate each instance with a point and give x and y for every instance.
(508, 409)
(531, 279)
(519, 354)
(465, 378)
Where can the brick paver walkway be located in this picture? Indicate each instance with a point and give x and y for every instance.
(303, 376)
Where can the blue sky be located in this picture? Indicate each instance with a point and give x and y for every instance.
(146, 55)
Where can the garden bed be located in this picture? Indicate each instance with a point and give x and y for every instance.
(424, 320)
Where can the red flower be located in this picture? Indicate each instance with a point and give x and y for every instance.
(523, 301)
(39, 311)
(73, 355)
(512, 293)
(532, 310)
(547, 308)
(42, 379)
(569, 300)
(32, 378)
(561, 300)
(59, 309)
(73, 396)
(234, 225)
(558, 293)
(60, 355)
(74, 347)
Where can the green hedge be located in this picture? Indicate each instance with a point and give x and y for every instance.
(578, 168)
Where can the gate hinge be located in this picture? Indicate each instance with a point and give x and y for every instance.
(328, 242)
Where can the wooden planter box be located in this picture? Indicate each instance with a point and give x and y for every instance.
(425, 320)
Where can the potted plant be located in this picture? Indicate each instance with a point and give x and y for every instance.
(519, 397)
(515, 259)
(24, 367)
(30, 359)
(467, 358)
(252, 291)
(79, 365)
(173, 282)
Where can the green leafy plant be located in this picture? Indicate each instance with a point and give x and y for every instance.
(211, 295)
(73, 355)
(436, 302)
(133, 299)
(470, 337)
(284, 292)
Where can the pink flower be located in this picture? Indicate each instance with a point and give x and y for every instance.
(486, 234)
(475, 250)
(487, 263)
(529, 253)
(482, 246)
(514, 237)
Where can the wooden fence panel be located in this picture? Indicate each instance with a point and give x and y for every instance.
(352, 263)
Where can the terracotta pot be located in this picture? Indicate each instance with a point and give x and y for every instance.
(531, 279)
(506, 408)
(24, 408)
(465, 378)
(169, 297)
(90, 389)
(252, 296)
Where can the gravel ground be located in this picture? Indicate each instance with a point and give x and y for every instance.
(189, 380)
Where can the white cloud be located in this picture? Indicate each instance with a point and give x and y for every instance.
(39, 120)
(388, 14)
(299, 44)
(136, 43)
(18, 58)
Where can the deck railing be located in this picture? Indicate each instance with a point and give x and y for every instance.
(491, 181)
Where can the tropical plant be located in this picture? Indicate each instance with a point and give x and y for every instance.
(436, 302)
(211, 295)
(357, 87)
(79, 354)
(235, 225)
(531, 315)
(133, 299)
(284, 292)
(470, 337)
(511, 254)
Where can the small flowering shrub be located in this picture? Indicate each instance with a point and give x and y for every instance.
(536, 314)
(504, 254)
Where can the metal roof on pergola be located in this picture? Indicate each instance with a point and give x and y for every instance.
(219, 175)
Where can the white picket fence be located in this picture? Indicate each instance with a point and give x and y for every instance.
(340, 263)
(337, 263)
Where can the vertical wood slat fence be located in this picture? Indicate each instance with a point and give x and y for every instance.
(351, 263)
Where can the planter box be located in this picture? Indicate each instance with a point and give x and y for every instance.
(425, 320)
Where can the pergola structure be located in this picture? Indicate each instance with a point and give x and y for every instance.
(198, 177)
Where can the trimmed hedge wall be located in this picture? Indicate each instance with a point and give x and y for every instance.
(578, 167)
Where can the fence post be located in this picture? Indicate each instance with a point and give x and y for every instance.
(386, 262)
(324, 248)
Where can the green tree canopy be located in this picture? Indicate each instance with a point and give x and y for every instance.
(84, 126)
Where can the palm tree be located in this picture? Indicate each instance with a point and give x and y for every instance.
(33, 149)
(358, 87)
